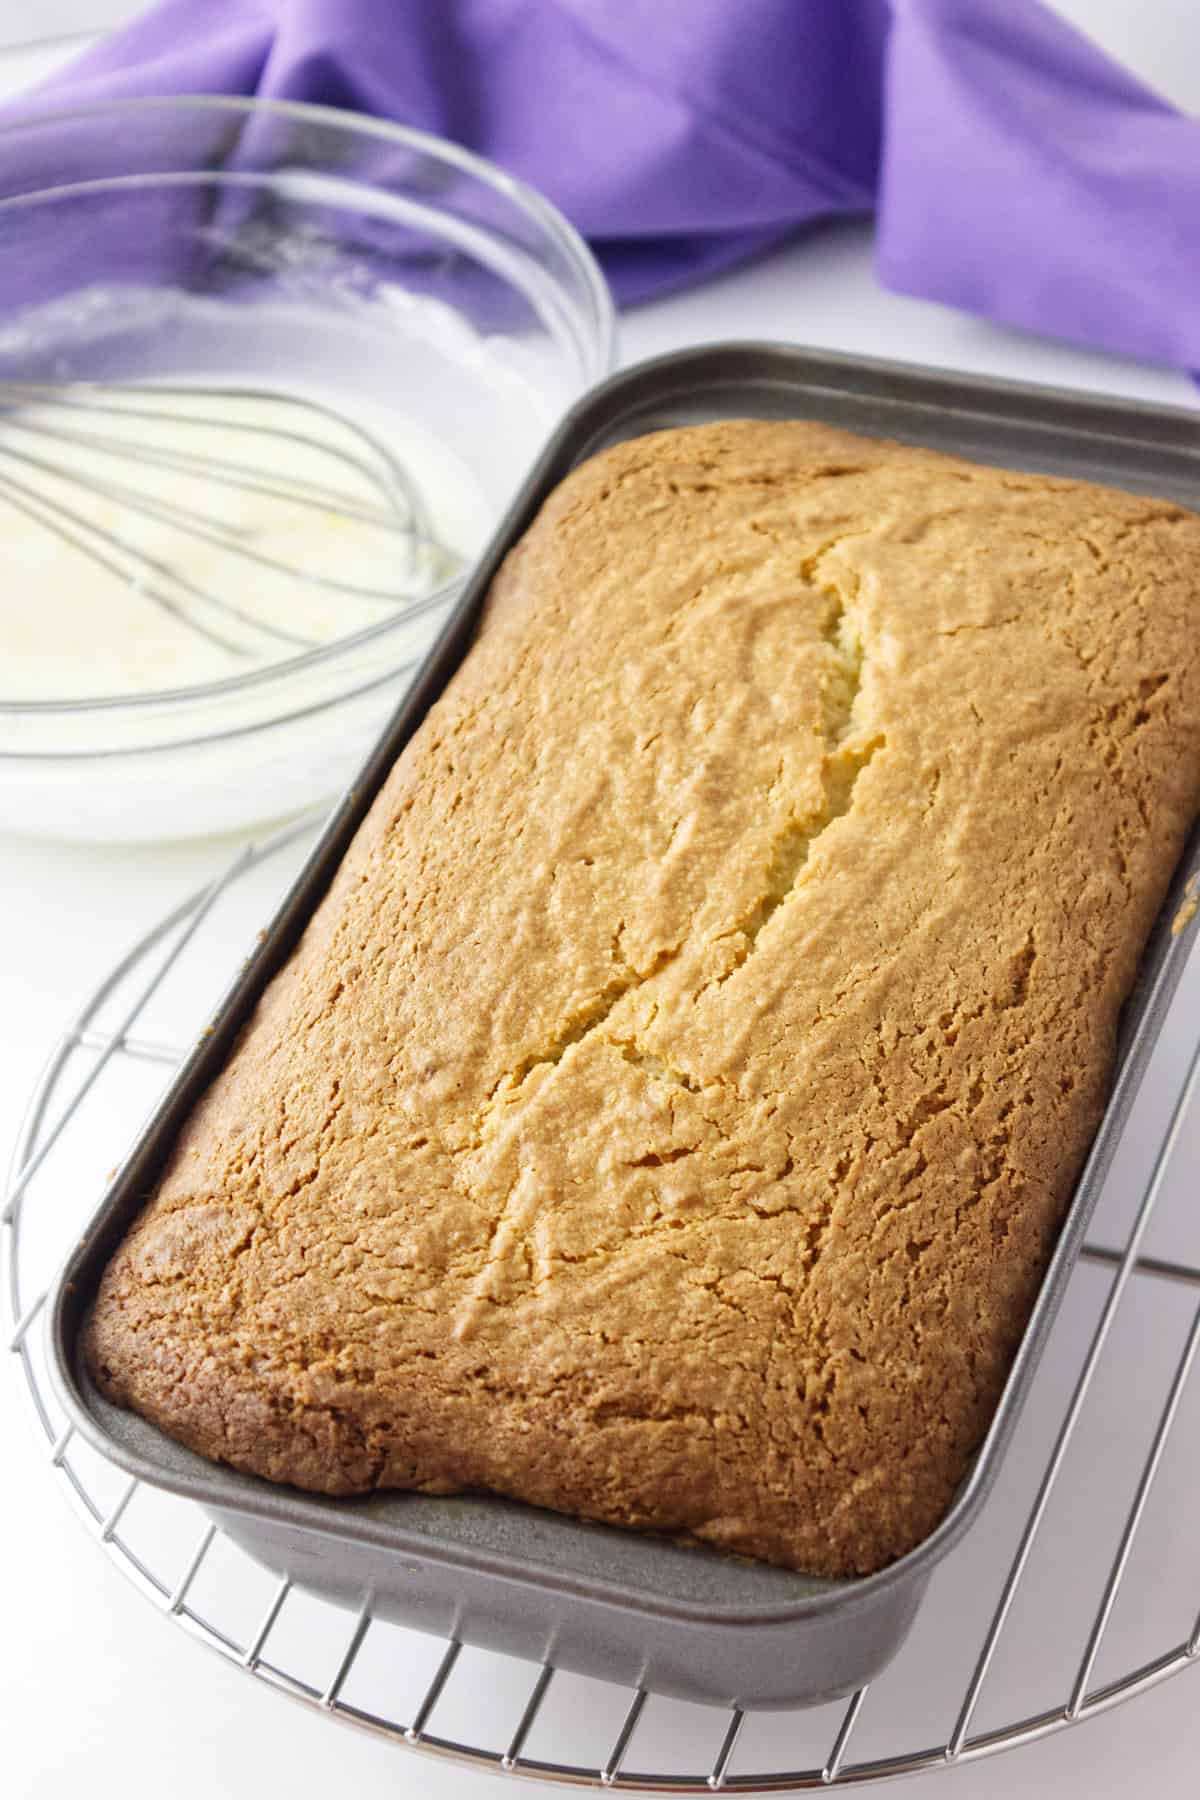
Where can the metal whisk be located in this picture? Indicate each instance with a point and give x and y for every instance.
(148, 482)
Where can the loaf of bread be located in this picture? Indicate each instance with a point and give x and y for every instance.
(667, 1114)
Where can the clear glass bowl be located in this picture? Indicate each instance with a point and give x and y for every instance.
(229, 240)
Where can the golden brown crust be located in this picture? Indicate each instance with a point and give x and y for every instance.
(667, 1115)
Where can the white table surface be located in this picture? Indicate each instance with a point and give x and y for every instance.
(97, 1694)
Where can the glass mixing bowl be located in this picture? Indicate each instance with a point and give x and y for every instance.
(219, 241)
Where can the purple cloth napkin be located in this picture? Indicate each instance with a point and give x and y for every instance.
(1016, 171)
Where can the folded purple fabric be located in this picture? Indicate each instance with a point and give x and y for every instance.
(1016, 170)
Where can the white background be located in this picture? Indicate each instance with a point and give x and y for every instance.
(99, 1696)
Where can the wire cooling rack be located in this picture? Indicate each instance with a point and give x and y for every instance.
(1078, 1587)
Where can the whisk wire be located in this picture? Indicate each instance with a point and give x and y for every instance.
(31, 507)
(225, 474)
(222, 534)
(122, 400)
(52, 513)
(391, 504)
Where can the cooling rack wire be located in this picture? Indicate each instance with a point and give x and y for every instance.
(1077, 1589)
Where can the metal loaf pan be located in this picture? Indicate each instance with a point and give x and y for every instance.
(487, 1571)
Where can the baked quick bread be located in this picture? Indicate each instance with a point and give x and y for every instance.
(667, 1114)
